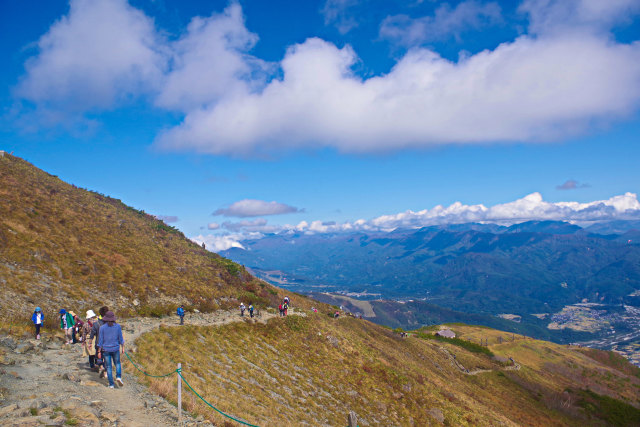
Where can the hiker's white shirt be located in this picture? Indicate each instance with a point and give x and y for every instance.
(38, 319)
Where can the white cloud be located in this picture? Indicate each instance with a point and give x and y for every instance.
(209, 62)
(339, 14)
(529, 208)
(528, 90)
(251, 226)
(213, 226)
(218, 243)
(251, 207)
(552, 16)
(555, 82)
(446, 22)
(101, 53)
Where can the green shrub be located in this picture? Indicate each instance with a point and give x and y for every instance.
(467, 345)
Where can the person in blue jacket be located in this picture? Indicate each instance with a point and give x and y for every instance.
(38, 319)
(180, 313)
(111, 345)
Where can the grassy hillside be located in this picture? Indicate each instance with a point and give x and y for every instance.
(312, 370)
(62, 246)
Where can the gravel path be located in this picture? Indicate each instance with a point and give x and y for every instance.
(47, 383)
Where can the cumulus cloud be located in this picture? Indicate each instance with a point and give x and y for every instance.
(210, 61)
(168, 218)
(251, 207)
(446, 22)
(338, 13)
(571, 184)
(213, 226)
(564, 76)
(101, 53)
(528, 208)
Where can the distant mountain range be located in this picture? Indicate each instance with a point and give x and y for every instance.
(530, 267)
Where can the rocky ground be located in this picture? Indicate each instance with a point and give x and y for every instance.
(45, 382)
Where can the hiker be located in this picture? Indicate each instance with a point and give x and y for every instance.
(95, 333)
(285, 308)
(66, 324)
(111, 345)
(180, 313)
(286, 300)
(281, 311)
(251, 310)
(242, 309)
(38, 319)
(88, 348)
(77, 327)
(337, 314)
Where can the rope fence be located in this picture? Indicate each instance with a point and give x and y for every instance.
(179, 372)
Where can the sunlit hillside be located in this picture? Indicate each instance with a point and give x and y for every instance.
(65, 246)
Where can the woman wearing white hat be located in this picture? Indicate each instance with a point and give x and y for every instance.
(88, 349)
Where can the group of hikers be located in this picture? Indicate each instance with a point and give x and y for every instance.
(243, 308)
(100, 336)
(284, 306)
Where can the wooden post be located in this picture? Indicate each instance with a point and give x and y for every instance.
(179, 396)
(352, 419)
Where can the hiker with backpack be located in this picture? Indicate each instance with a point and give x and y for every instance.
(38, 319)
(242, 309)
(66, 324)
(281, 310)
(180, 313)
(111, 345)
(251, 310)
(88, 348)
(95, 334)
(285, 308)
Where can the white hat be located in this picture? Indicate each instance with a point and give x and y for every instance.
(90, 314)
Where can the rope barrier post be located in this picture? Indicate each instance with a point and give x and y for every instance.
(353, 419)
(179, 395)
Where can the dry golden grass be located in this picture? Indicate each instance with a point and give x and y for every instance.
(65, 247)
(314, 370)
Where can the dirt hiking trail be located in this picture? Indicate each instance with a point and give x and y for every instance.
(48, 383)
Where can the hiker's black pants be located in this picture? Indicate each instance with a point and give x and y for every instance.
(38, 329)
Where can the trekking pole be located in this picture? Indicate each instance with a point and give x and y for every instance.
(179, 395)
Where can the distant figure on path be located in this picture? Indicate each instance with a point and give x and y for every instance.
(88, 347)
(66, 324)
(285, 308)
(281, 310)
(38, 319)
(180, 313)
(111, 345)
(251, 310)
(242, 309)
(286, 300)
(337, 314)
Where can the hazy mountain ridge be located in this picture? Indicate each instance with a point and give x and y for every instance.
(536, 266)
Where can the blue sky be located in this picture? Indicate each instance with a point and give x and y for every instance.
(316, 114)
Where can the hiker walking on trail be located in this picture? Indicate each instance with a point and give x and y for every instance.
(111, 345)
(38, 319)
(281, 310)
(77, 327)
(285, 308)
(180, 312)
(251, 310)
(88, 348)
(95, 334)
(242, 309)
(66, 324)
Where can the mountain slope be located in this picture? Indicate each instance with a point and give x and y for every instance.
(313, 370)
(61, 245)
(533, 267)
